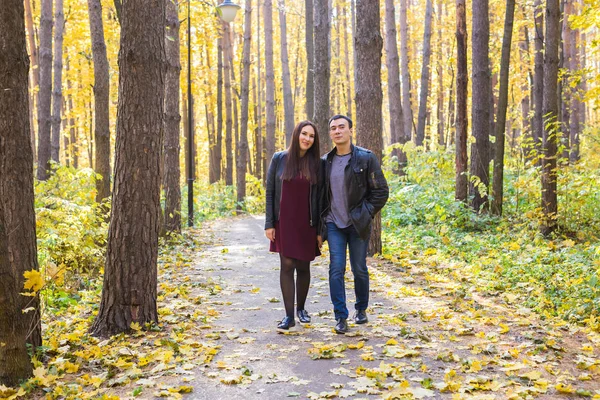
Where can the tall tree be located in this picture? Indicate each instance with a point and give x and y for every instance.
(368, 45)
(228, 106)
(210, 124)
(498, 182)
(525, 86)
(462, 80)
(577, 105)
(101, 101)
(288, 105)
(424, 92)
(406, 102)
(219, 140)
(395, 102)
(322, 72)
(18, 251)
(245, 100)
(171, 172)
(481, 105)
(130, 277)
(349, 96)
(260, 148)
(258, 142)
(35, 71)
(57, 84)
(45, 93)
(310, 58)
(270, 78)
(538, 79)
(73, 145)
(440, 76)
(549, 166)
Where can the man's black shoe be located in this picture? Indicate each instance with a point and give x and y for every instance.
(286, 323)
(303, 316)
(361, 317)
(341, 326)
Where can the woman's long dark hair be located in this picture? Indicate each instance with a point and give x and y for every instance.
(307, 166)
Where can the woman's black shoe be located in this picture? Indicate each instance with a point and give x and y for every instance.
(286, 323)
(303, 316)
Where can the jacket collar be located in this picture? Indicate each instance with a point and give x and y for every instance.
(333, 152)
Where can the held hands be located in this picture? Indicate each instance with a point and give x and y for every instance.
(320, 241)
(270, 234)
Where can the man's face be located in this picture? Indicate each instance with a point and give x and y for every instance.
(339, 131)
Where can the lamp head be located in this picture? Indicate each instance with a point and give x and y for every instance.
(228, 10)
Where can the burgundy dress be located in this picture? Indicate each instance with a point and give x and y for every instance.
(294, 237)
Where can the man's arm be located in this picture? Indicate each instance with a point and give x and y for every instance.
(378, 187)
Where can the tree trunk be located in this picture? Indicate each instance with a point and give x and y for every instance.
(440, 76)
(57, 84)
(270, 75)
(101, 101)
(35, 71)
(219, 140)
(481, 105)
(368, 45)
(451, 122)
(347, 62)
(322, 73)
(288, 105)
(73, 147)
(18, 251)
(577, 116)
(65, 125)
(130, 278)
(45, 93)
(245, 100)
(424, 92)
(538, 81)
(395, 102)
(406, 102)
(549, 166)
(171, 172)
(213, 175)
(228, 107)
(89, 128)
(498, 182)
(525, 88)
(258, 148)
(564, 98)
(462, 80)
(310, 58)
(260, 142)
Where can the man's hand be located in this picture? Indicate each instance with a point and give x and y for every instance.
(270, 234)
(319, 241)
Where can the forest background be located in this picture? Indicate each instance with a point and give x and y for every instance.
(445, 94)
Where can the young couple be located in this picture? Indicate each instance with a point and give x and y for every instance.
(310, 200)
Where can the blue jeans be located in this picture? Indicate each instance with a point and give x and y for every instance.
(339, 240)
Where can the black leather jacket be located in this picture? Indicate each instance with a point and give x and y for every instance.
(366, 189)
(273, 193)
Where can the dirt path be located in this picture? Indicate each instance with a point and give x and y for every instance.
(428, 336)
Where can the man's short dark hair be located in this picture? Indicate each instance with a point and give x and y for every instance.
(340, 116)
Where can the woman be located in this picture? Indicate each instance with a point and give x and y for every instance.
(293, 216)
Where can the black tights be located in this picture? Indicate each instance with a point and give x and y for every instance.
(286, 279)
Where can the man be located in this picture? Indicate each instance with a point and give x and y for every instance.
(355, 191)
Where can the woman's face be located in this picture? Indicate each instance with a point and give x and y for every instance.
(307, 138)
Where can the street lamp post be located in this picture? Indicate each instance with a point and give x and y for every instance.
(227, 11)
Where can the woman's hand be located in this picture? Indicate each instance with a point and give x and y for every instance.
(320, 241)
(270, 234)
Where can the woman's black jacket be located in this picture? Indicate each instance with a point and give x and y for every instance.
(273, 194)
